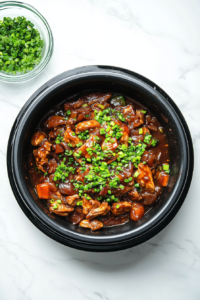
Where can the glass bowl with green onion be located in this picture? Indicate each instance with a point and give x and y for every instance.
(26, 42)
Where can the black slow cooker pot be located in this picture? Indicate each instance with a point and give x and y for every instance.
(119, 81)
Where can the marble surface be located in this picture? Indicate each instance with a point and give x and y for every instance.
(160, 40)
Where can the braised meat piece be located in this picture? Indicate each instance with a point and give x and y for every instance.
(54, 121)
(103, 209)
(136, 212)
(90, 204)
(72, 200)
(37, 138)
(71, 138)
(76, 216)
(60, 209)
(41, 155)
(120, 208)
(93, 224)
(145, 178)
(86, 125)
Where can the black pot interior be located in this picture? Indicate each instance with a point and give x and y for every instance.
(142, 93)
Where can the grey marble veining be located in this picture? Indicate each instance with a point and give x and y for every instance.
(160, 40)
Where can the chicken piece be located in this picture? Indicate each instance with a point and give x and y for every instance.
(86, 125)
(73, 118)
(136, 212)
(76, 216)
(41, 153)
(112, 159)
(126, 173)
(78, 103)
(102, 210)
(150, 158)
(45, 189)
(83, 149)
(124, 139)
(67, 106)
(81, 174)
(148, 199)
(54, 121)
(58, 149)
(93, 224)
(96, 97)
(89, 204)
(72, 200)
(57, 196)
(37, 138)
(52, 165)
(145, 178)
(134, 195)
(138, 119)
(70, 137)
(65, 146)
(112, 144)
(119, 192)
(129, 113)
(73, 105)
(60, 209)
(109, 220)
(83, 116)
(120, 208)
(104, 191)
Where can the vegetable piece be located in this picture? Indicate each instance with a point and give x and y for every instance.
(147, 138)
(163, 179)
(43, 190)
(118, 101)
(140, 130)
(165, 167)
(154, 142)
(136, 212)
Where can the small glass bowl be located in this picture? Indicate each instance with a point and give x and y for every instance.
(15, 9)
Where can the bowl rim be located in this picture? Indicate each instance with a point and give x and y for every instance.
(4, 77)
(123, 240)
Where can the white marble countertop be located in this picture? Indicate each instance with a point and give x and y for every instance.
(160, 40)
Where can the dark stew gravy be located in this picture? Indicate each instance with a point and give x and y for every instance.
(102, 160)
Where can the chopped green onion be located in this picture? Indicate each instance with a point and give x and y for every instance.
(136, 174)
(140, 130)
(165, 167)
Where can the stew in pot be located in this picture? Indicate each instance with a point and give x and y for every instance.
(100, 161)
